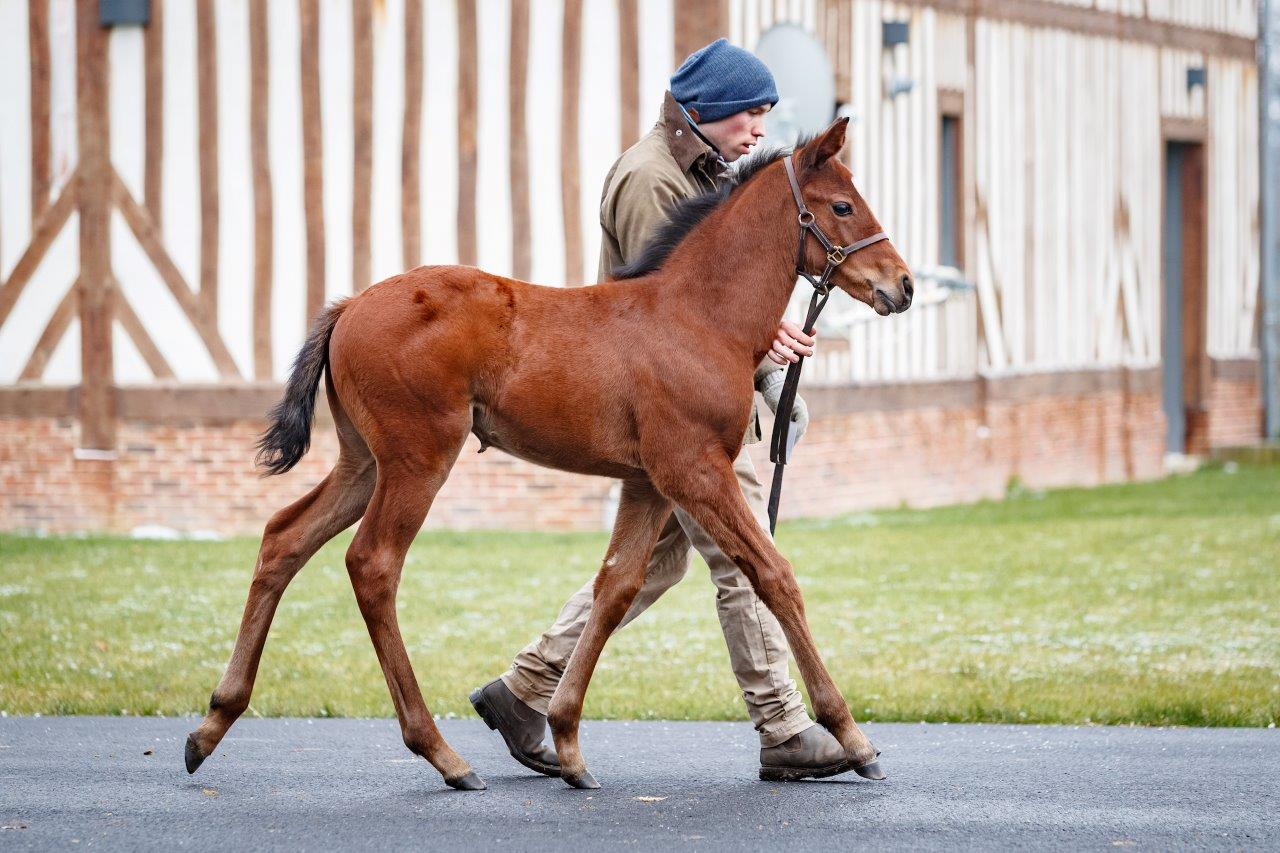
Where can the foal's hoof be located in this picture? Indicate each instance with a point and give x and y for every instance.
(583, 780)
(193, 754)
(468, 782)
(871, 770)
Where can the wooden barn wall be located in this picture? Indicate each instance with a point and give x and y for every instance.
(271, 155)
(323, 143)
(1063, 207)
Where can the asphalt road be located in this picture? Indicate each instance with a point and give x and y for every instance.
(80, 782)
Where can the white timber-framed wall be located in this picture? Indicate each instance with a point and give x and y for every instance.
(273, 155)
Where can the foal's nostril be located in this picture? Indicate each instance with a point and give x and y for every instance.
(907, 287)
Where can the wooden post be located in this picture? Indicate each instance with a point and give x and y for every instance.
(153, 47)
(207, 127)
(570, 198)
(263, 222)
(41, 170)
(468, 93)
(362, 142)
(698, 23)
(312, 154)
(411, 138)
(521, 228)
(629, 73)
(97, 392)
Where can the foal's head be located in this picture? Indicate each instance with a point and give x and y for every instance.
(876, 275)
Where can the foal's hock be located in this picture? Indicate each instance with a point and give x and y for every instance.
(660, 382)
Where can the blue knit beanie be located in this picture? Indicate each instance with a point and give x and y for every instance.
(722, 79)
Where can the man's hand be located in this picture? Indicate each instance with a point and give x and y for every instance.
(771, 390)
(790, 344)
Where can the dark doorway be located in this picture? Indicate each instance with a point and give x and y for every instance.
(1183, 327)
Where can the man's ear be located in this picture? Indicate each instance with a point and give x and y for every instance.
(826, 146)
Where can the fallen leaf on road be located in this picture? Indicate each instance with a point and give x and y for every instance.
(148, 752)
(209, 792)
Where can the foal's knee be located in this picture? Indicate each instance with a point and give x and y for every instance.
(372, 573)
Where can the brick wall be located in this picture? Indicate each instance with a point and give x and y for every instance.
(868, 447)
(1234, 409)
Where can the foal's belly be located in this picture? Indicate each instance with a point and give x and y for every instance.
(567, 441)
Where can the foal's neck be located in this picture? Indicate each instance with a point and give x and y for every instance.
(737, 270)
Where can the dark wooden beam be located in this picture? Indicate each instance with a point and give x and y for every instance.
(411, 139)
(96, 299)
(41, 167)
(628, 72)
(49, 339)
(153, 64)
(312, 155)
(43, 232)
(150, 241)
(362, 141)
(521, 227)
(468, 93)
(207, 128)
(570, 169)
(698, 23)
(263, 199)
(142, 340)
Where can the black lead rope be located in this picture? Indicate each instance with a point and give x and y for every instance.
(780, 446)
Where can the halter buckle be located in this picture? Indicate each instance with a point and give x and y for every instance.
(836, 256)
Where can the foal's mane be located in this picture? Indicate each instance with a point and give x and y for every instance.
(690, 212)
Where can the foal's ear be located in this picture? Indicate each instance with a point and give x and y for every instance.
(826, 146)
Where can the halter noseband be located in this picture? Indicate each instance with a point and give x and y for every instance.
(780, 445)
(836, 255)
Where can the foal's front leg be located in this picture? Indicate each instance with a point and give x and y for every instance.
(705, 486)
(642, 512)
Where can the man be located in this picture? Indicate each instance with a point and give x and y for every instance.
(712, 115)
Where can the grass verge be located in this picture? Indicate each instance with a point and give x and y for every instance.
(1153, 603)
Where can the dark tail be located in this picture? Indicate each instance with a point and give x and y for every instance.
(289, 435)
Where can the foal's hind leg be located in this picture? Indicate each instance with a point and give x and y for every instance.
(407, 484)
(705, 486)
(642, 511)
(292, 536)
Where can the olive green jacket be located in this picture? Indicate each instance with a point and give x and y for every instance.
(669, 164)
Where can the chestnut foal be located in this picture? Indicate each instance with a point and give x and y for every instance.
(646, 379)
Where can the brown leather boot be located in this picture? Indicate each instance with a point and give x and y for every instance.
(520, 726)
(812, 754)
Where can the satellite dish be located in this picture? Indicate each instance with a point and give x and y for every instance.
(805, 80)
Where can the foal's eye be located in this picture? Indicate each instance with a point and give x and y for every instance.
(842, 208)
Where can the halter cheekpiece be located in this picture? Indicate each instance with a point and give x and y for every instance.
(780, 446)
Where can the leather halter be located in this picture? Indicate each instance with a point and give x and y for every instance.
(780, 445)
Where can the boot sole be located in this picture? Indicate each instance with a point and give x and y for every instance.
(491, 720)
(795, 774)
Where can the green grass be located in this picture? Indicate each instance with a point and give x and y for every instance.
(1156, 603)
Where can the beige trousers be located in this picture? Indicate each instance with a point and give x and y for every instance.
(758, 650)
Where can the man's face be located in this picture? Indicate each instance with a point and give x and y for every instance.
(735, 135)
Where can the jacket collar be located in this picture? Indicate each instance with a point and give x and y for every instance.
(685, 145)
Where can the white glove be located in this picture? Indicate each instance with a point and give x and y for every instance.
(771, 390)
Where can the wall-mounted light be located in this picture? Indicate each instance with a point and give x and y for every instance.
(1196, 77)
(895, 33)
(113, 13)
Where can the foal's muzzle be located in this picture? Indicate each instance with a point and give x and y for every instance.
(886, 302)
